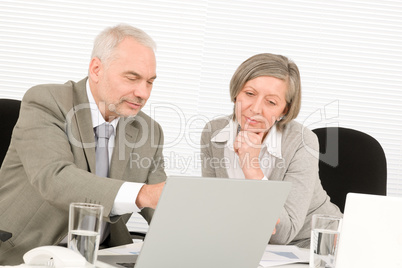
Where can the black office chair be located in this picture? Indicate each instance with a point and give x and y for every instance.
(350, 161)
(9, 112)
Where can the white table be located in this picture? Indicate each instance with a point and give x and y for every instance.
(109, 251)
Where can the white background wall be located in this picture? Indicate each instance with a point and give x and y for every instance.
(349, 54)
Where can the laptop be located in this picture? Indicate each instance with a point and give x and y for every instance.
(210, 222)
(371, 234)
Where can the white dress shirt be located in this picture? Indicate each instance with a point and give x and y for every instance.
(124, 201)
(127, 195)
(270, 150)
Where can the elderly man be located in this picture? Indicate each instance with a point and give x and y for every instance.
(58, 153)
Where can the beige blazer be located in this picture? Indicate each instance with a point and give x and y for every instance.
(298, 165)
(51, 163)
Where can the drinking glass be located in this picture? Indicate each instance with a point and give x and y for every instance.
(84, 229)
(325, 231)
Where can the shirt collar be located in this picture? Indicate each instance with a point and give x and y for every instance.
(227, 134)
(272, 142)
(97, 118)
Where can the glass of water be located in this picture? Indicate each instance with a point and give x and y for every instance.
(84, 229)
(325, 231)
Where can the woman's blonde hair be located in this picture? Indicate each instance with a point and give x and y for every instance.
(277, 66)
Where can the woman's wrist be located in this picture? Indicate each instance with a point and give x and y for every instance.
(253, 174)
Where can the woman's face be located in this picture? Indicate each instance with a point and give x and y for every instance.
(260, 103)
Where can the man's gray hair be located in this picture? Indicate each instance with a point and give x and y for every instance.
(110, 38)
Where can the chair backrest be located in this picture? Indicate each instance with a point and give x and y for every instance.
(9, 112)
(350, 161)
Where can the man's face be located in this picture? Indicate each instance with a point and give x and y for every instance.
(123, 84)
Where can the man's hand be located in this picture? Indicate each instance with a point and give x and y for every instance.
(149, 194)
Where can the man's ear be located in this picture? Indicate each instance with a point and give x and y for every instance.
(95, 69)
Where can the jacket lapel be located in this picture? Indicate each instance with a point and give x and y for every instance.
(82, 116)
(218, 141)
(219, 153)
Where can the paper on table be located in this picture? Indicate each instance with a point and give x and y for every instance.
(281, 254)
(129, 249)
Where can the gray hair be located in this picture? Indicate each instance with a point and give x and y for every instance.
(110, 38)
(277, 66)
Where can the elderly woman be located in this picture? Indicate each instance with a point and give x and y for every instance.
(261, 141)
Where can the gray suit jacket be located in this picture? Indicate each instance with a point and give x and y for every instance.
(299, 165)
(51, 163)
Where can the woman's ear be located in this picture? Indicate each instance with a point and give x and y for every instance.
(284, 113)
(286, 110)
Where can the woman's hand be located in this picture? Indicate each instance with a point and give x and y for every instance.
(277, 222)
(247, 146)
